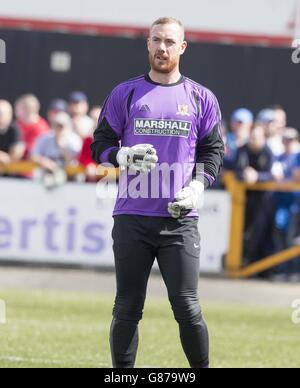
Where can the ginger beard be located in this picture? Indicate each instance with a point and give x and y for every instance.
(161, 63)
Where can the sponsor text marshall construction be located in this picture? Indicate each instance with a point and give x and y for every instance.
(162, 127)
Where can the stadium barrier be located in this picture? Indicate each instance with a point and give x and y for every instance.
(27, 167)
(234, 266)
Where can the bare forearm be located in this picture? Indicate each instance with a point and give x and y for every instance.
(17, 152)
(43, 162)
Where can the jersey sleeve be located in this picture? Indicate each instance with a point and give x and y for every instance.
(110, 128)
(210, 147)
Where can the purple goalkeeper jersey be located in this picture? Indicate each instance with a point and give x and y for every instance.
(181, 121)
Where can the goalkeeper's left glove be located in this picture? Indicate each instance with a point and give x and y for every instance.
(141, 158)
(186, 200)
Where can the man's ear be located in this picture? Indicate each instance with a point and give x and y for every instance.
(183, 47)
(148, 44)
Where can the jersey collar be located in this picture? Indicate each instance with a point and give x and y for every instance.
(180, 81)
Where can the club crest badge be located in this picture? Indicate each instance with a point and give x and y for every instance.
(183, 110)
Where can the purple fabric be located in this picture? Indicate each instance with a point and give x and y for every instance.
(105, 155)
(174, 119)
(210, 178)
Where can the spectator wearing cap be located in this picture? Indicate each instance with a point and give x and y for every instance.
(254, 164)
(56, 106)
(267, 119)
(59, 147)
(31, 124)
(78, 108)
(240, 124)
(11, 146)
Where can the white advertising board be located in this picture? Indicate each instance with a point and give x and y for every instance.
(71, 226)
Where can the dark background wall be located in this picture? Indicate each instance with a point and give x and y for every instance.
(254, 77)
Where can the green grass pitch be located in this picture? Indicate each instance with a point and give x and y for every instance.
(63, 329)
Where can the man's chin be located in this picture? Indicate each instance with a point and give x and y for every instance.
(164, 69)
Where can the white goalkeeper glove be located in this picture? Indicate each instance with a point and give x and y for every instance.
(141, 158)
(187, 200)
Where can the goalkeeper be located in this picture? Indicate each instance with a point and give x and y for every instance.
(161, 118)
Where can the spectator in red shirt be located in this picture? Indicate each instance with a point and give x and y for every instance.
(31, 124)
(85, 158)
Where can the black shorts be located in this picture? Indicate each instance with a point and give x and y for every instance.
(138, 241)
(154, 234)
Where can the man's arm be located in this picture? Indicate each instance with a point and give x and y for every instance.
(18, 148)
(211, 148)
(45, 163)
(4, 158)
(17, 151)
(210, 154)
(38, 155)
(105, 146)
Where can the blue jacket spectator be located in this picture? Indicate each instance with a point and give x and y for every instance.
(286, 222)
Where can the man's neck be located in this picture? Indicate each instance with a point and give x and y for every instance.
(165, 79)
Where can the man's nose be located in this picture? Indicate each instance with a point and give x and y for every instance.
(162, 47)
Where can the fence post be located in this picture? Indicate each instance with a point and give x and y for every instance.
(234, 258)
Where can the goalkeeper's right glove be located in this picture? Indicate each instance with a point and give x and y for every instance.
(186, 200)
(141, 158)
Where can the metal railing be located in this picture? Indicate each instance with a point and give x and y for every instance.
(27, 167)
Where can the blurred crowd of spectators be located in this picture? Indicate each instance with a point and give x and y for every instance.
(264, 149)
(63, 139)
(258, 149)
